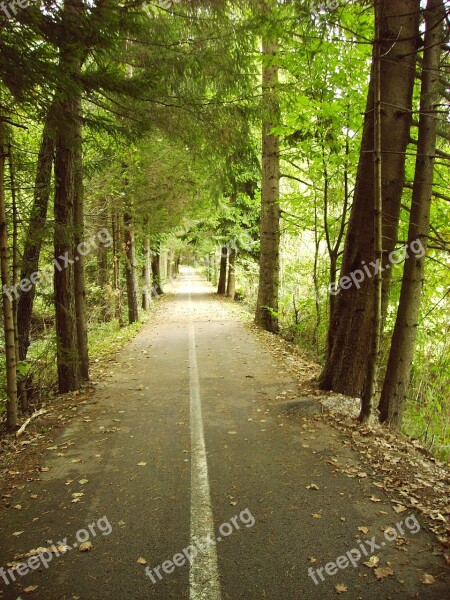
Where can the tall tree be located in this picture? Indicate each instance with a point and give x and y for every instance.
(398, 373)
(351, 325)
(222, 285)
(80, 252)
(269, 264)
(231, 282)
(130, 269)
(67, 182)
(370, 383)
(156, 271)
(147, 274)
(35, 232)
(8, 316)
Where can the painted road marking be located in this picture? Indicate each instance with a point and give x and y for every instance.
(204, 571)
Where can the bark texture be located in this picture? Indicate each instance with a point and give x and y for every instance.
(156, 273)
(8, 316)
(351, 324)
(269, 262)
(67, 182)
(398, 374)
(35, 233)
(80, 251)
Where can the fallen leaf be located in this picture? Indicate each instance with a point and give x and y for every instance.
(83, 481)
(340, 588)
(142, 464)
(17, 533)
(372, 562)
(383, 572)
(141, 561)
(375, 499)
(363, 529)
(399, 508)
(30, 589)
(427, 579)
(18, 507)
(316, 516)
(86, 547)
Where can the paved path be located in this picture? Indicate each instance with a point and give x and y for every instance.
(185, 461)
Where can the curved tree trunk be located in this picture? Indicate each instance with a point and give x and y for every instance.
(35, 233)
(352, 321)
(398, 374)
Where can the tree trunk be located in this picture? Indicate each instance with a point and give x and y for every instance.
(398, 374)
(67, 178)
(103, 282)
(147, 291)
(352, 321)
(130, 270)
(231, 283)
(80, 252)
(65, 307)
(221, 288)
(334, 249)
(8, 317)
(102, 266)
(116, 231)
(370, 384)
(21, 377)
(35, 234)
(269, 262)
(156, 274)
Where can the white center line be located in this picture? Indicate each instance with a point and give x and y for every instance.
(204, 572)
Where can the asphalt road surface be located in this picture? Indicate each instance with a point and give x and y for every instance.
(189, 482)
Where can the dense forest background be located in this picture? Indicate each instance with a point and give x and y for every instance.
(296, 152)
